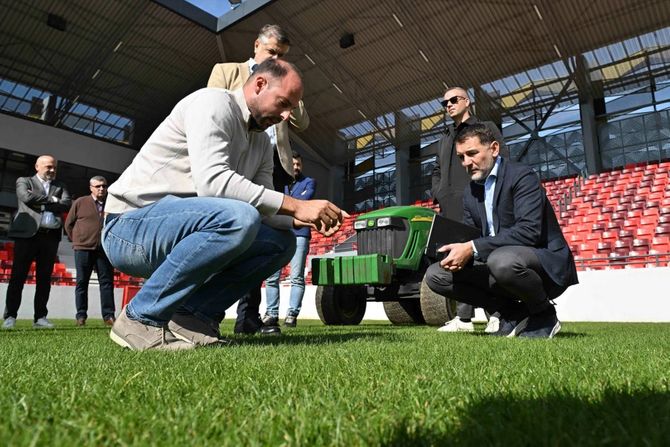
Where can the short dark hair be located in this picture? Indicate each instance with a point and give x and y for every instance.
(297, 155)
(478, 130)
(275, 31)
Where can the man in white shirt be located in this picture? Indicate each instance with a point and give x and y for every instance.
(196, 214)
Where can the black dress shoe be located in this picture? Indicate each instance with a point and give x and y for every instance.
(249, 328)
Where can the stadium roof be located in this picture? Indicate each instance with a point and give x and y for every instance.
(137, 58)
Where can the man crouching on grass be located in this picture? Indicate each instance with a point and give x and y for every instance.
(196, 214)
(521, 261)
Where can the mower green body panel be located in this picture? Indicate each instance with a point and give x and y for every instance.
(350, 270)
(388, 239)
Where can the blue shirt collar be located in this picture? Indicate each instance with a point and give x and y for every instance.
(494, 171)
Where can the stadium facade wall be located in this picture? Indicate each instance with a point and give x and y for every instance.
(29, 137)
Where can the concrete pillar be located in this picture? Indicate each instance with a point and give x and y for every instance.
(590, 102)
(485, 109)
(408, 168)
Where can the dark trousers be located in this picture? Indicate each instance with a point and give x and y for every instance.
(86, 261)
(248, 311)
(511, 282)
(42, 249)
(248, 307)
(465, 311)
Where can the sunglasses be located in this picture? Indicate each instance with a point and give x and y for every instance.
(98, 186)
(452, 100)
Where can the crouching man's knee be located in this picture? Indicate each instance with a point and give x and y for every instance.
(505, 265)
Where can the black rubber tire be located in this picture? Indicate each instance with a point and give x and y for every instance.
(436, 309)
(340, 305)
(404, 312)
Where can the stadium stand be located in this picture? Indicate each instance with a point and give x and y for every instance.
(61, 275)
(612, 220)
(618, 218)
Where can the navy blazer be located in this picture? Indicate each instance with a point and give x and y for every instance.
(522, 215)
(33, 200)
(302, 189)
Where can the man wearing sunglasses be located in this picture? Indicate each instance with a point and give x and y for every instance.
(448, 181)
(83, 226)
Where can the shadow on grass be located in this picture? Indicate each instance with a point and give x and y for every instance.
(615, 418)
(312, 338)
(57, 331)
(562, 334)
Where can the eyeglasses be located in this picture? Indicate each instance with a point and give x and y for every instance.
(452, 100)
(99, 186)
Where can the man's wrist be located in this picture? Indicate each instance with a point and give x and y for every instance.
(475, 253)
(288, 206)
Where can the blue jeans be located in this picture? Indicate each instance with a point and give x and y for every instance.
(199, 253)
(297, 282)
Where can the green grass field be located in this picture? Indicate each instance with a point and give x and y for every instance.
(375, 384)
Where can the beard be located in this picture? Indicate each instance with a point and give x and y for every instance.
(482, 172)
(262, 122)
(477, 176)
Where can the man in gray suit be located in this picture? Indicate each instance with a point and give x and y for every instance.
(37, 230)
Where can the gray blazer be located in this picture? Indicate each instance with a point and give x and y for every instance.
(33, 200)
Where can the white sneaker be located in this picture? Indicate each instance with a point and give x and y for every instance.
(456, 325)
(494, 324)
(9, 323)
(43, 323)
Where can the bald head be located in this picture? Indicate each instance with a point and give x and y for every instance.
(274, 89)
(457, 104)
(45, 166)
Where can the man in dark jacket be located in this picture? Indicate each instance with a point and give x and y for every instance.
(302, 188)
(83, 226)
(448, 181)
(521, 261)
(36, 229)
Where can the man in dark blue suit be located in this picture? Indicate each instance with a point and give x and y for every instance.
(302, 188)
(522, 260)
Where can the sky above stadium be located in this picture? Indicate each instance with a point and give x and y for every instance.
(217, 8)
